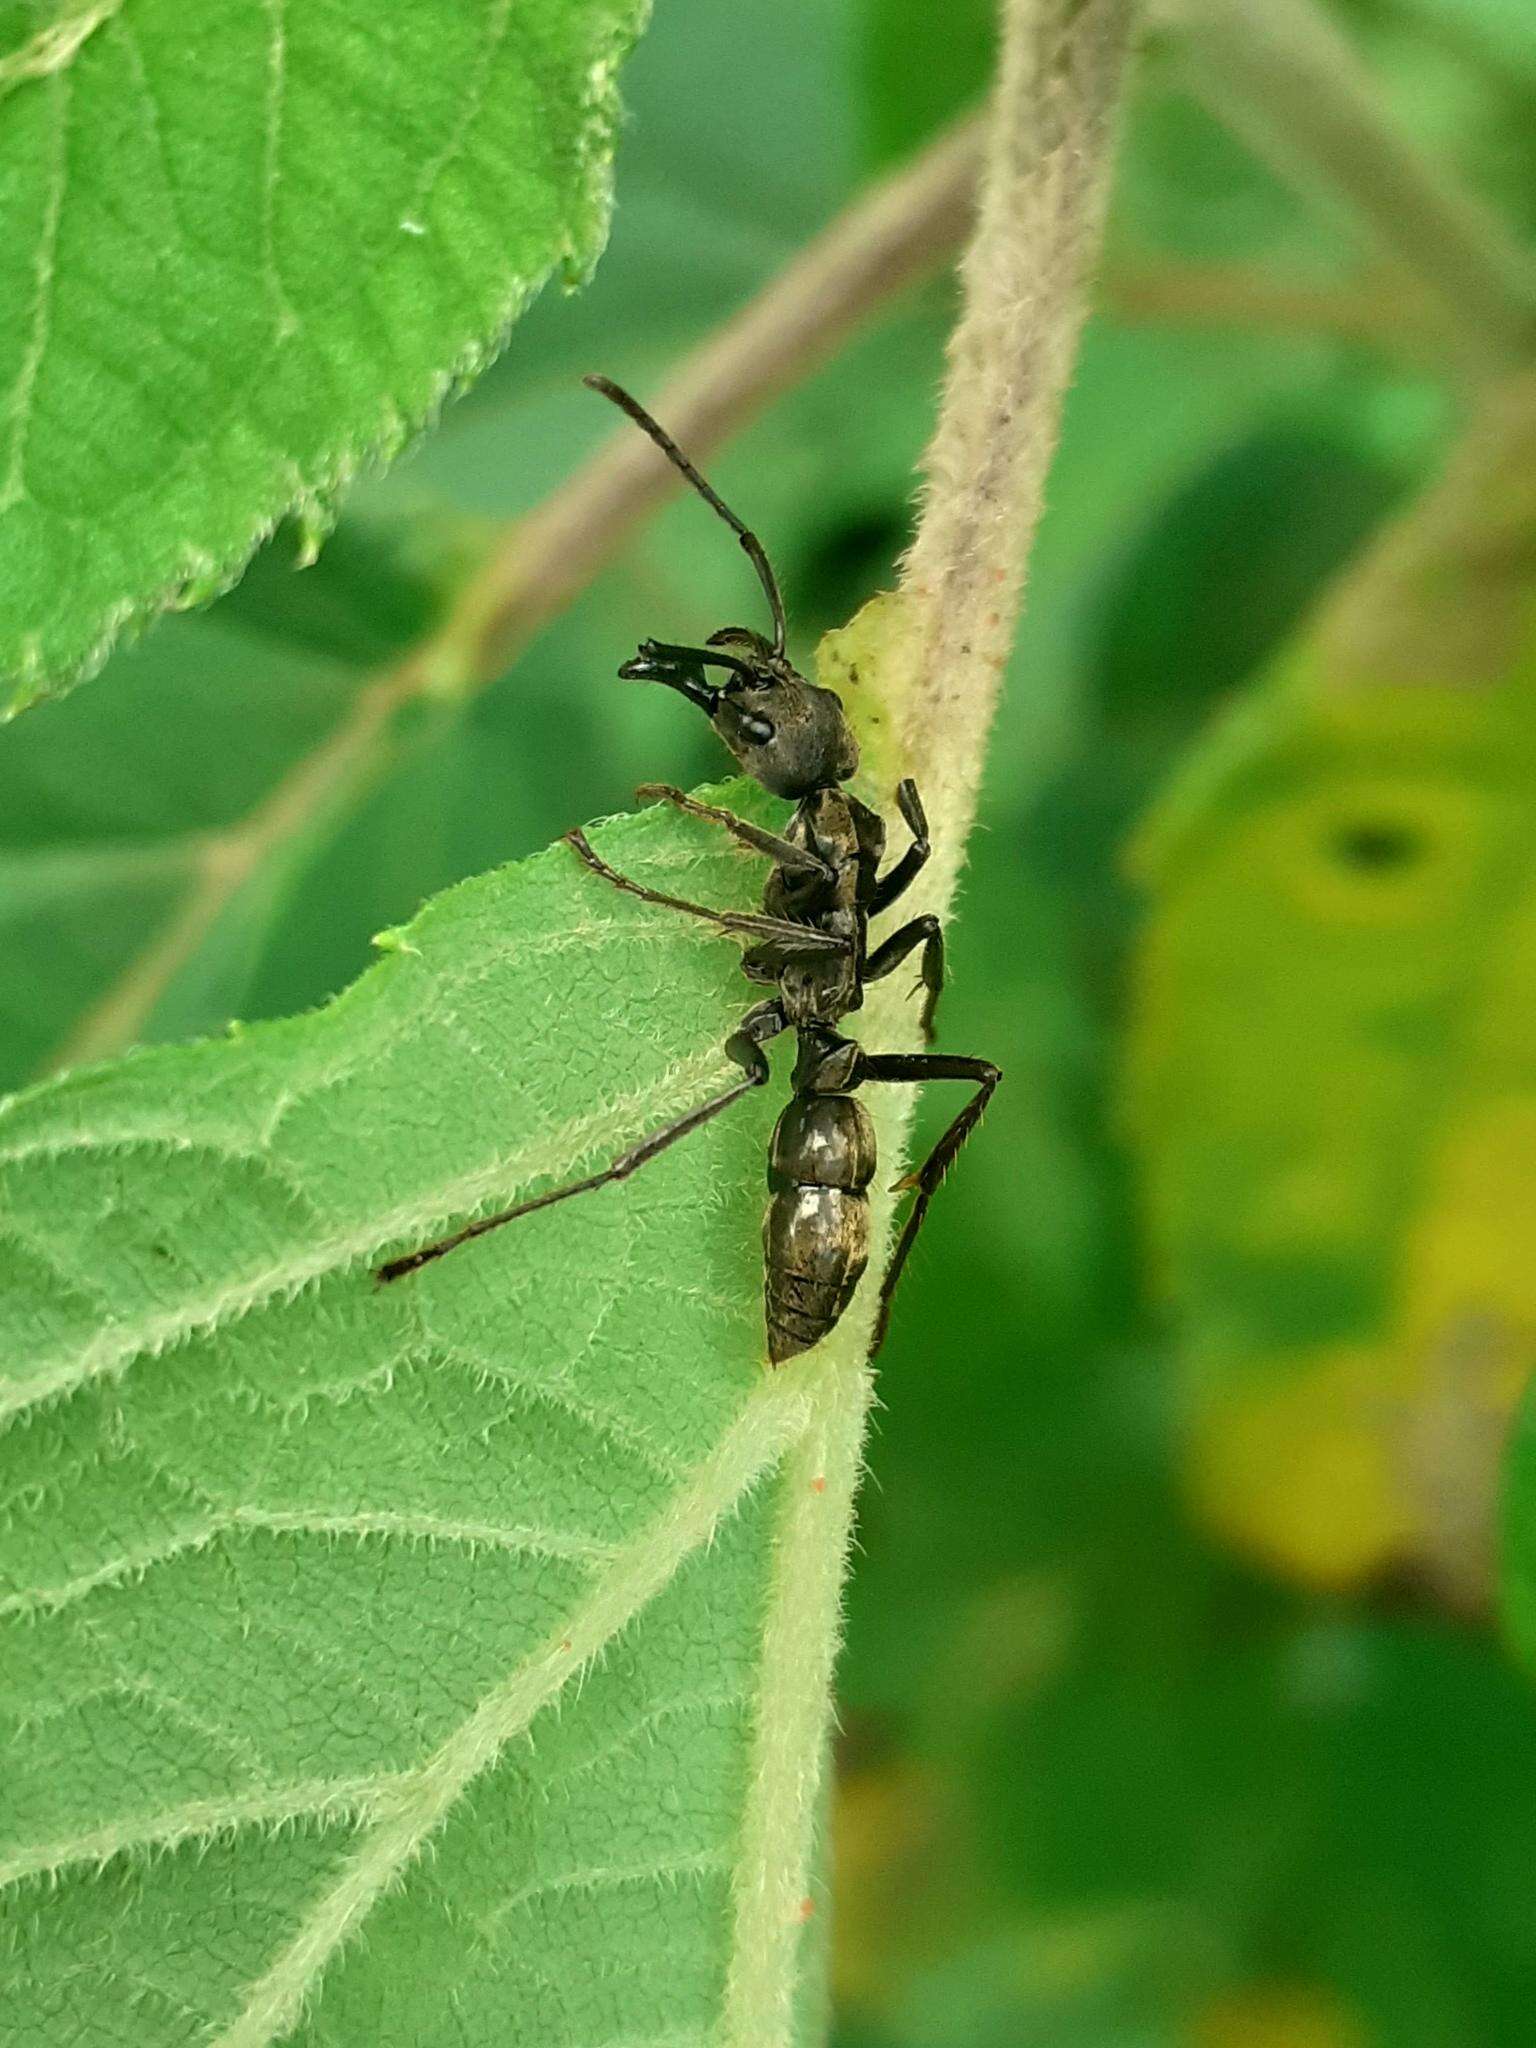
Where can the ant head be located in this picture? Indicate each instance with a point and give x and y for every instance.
(787, 733)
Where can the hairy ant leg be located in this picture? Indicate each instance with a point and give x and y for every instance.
(926, 1066)
(924, 931)
(799, 938)
(783, 851)
(744, 1046)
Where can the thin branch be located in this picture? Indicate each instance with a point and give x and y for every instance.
(349, 756)
(899, 231)
(1288, 81)
(1379, 312)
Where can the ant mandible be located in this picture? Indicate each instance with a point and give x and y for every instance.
(808, 945)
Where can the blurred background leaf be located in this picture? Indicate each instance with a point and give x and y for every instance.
(1114, 1774)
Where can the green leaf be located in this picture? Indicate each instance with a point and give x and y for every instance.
(1335, 1102)
(246, 255)
(139, 866)
(1517, 1583)
(444, 1662)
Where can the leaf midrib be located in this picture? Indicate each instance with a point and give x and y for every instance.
(772, 1419)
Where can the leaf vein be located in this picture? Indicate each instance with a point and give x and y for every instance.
(706, 1863)
(13, 488)
(116, 1345)
(499, 13)
(605, 1423)
(528, 1540)
(276, 90)
(319, 1799)
(772, 1418)
(55, 47)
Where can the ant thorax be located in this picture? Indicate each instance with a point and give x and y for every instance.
(820, 991)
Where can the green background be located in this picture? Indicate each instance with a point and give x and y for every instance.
(1107, 1781)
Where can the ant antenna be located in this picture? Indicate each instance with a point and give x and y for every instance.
(679, 461)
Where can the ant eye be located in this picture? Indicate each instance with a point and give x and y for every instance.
(757, 730)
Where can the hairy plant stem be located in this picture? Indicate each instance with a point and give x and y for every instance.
(1285, 78)
(1024, 274)
(1044, 189)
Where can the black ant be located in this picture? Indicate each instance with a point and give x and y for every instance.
(809, 945)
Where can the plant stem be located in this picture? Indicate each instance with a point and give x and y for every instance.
(1289, 82)
(1382, 312)
(1044, 190)
(1049, 137)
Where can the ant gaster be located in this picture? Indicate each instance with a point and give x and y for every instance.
(808, 945)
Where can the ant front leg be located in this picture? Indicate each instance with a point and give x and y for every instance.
(915, 859)
(744, 1046)
(745, 924)
(780, 850)
(924, 1066)
(926, 932)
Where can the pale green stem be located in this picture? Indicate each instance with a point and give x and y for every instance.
(936, 668)
(1043, 194)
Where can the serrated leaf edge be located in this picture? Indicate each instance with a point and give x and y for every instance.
(374, 445)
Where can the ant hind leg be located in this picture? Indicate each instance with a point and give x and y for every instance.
(744, 1046)
(926, 1179)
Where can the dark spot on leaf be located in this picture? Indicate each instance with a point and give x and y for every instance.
(1378, 846)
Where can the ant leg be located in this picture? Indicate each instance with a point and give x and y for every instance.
(923, 1066)
(914, 860)
(801, 938)
(923, 931)
(744, 1046)
(783, 851)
